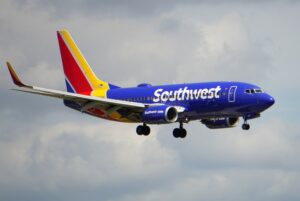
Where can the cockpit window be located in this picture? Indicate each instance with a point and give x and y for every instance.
(253, 91)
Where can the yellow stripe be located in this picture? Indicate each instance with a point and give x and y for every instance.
(100, 87)
(14, 74)
(117, 116)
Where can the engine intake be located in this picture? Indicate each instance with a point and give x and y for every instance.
(225, 122)
(160, 114)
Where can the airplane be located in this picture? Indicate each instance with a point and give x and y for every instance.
(215, 104)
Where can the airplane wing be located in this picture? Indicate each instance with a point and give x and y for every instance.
(85, 102)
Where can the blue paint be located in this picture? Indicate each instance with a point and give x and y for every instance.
(232, 99)
(69, 88)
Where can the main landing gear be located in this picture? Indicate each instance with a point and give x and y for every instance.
(143, 130)
(179, 132)
(245, 125)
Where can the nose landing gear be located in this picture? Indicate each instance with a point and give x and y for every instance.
(245, 125)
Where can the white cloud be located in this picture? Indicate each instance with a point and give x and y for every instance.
(226, 185)
(228, 33)
(45, 76)
(87, 154)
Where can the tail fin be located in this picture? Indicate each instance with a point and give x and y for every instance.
(80, 78)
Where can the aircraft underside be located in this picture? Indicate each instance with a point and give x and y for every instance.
(213, 120)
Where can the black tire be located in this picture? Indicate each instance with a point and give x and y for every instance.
(245, 126)
(183, 133)
(140, 130)
(146, 130)
(176, 132)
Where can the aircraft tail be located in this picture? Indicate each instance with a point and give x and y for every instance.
(79, 76)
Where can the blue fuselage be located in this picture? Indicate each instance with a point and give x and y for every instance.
(201, 100)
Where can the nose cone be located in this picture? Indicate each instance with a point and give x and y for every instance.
(267, 101)
(271, 100)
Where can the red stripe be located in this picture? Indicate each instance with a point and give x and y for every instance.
(72, 70)
(15, 79)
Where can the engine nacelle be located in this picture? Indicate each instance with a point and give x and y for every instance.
(225, 122)
(160, 114)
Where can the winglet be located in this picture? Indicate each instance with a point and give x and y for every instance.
(14, 76)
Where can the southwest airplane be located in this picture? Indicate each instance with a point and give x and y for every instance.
(215, 104)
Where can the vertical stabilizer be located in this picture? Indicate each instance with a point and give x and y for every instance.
(80, 78)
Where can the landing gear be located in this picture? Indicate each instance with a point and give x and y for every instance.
(245, 125)
(179, 132)
(143, 130)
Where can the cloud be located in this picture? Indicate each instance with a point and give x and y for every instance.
(131, 8)
(233, 148)
(172, 40)
(68, 158)
(225, 185)
(67, 154)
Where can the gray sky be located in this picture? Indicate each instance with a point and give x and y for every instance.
(49, 152)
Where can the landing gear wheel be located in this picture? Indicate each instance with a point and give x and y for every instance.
(146, 130)
(139, 130)
(176, 132)
(245, 126)
(179, 133)
(183, 133)
(143, 130)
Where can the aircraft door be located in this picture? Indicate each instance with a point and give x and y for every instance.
(231, 94)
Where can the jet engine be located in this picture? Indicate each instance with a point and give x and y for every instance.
(159, 114)
(225, 122)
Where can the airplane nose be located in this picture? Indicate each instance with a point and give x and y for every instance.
(271, 100)
(268, 100)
